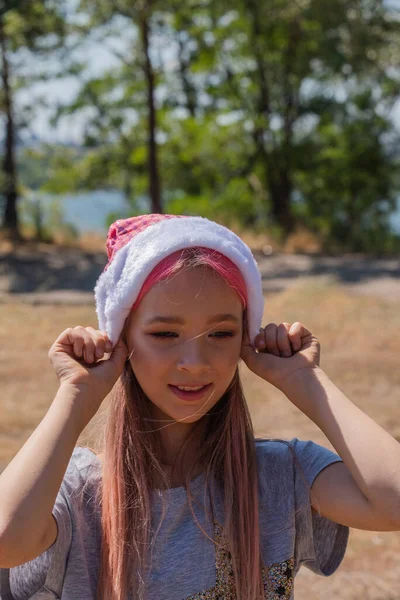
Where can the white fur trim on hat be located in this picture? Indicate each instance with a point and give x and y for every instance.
(118, 287)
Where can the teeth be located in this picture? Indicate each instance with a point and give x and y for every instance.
(189, 389)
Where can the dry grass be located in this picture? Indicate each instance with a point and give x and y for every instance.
(301, 240)
(87, 242)
(360, 349)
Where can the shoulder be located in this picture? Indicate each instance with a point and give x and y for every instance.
(284, 456)
(273, 449)
(275, 477)
(83, 465)
(294, 449)
(84, 458)
(302, 460)
(274, 465)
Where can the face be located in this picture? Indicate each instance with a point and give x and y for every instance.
(182, 335)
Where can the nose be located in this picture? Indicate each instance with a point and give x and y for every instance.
(193, 357)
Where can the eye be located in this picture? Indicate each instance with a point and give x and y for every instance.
(223, 334)
(163, 334)
(170, 334)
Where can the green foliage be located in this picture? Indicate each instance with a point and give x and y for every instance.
(347, 181)
(44, 220)
(38, 25)
(66, 171)
(235, 204)
(268, 113)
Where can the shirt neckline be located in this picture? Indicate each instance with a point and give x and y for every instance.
(174, 492)
(180, 491)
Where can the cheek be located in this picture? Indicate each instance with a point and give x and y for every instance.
(232, 351)
(147, 350)
(226, 362)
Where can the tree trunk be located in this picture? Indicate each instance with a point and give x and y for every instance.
(274, 157)
(9, 191)
(188, 89)
(280, 191)
(154, 177)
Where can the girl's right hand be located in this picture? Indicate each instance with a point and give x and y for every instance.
(76, 357)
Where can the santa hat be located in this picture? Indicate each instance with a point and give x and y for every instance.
(136, 245)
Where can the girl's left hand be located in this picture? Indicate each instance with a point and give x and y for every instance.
(281, 351)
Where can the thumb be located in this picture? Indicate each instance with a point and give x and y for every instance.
(119, 354)
(248, 350)
(255, 361)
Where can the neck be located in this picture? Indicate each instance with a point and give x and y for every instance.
(173, 437)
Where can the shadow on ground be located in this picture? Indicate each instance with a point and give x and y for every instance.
(57, 269)
(52, 271)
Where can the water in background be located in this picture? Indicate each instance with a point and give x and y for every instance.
(86, 211)
(89, 211)
(395, 218)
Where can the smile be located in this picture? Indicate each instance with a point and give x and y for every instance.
(189, 389)
(189, 392)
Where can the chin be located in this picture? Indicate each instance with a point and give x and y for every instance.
(188, 419)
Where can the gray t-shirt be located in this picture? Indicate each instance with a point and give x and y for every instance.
(185, 564)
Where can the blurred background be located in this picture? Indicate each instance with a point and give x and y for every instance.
(274, 114)
(277, 118)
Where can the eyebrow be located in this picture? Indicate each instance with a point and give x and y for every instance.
(179, 321)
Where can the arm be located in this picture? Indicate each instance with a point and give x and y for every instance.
(364, 492)
(30, 483)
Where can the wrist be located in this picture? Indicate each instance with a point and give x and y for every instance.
(301, 380)
(79, 400)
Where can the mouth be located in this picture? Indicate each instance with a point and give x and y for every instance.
(190, 395)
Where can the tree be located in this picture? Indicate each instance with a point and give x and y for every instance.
(25, 25)
(135, 81)
(346, 184)
(238, 105)
(282, 63)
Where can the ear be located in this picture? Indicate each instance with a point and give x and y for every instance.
(124, 329)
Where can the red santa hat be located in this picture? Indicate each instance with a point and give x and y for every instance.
(137, 244)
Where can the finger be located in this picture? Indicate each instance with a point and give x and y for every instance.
(82, 335)
(100, 340)
(271, 341)
(88, 350)
(82, 342)
(108, 345)
(297, 326)
(119, 353)
(77, 347)
(77, 339)
(296, 333)
(259, 340)
(283, 340)
(247, 349)
(257, 361)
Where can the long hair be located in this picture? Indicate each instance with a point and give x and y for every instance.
(132, 466)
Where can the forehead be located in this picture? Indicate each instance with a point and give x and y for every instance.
(199, 291)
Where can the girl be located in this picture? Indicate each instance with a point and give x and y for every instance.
(183, 502)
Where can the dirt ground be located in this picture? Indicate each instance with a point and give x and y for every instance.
(38, 273)
(350, 303)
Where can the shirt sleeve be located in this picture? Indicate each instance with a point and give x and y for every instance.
(320, 543)
(43, 576)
